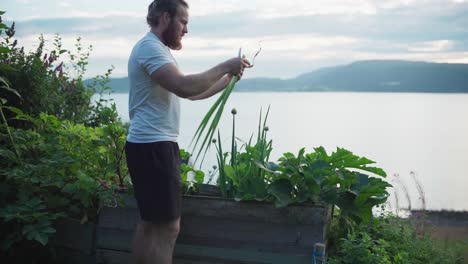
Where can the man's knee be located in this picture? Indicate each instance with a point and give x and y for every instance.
(173, 227)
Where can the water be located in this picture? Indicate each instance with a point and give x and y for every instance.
(421, 134)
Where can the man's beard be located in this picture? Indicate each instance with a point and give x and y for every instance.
(172, 38)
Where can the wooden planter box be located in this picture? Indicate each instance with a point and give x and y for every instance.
(215, 230)
(74, 242)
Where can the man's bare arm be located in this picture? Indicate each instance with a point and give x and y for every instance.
(185, 86)
(214, 89)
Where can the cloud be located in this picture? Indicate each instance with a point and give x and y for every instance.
(432, 46)
(297, 36)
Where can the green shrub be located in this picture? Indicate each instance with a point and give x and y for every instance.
(61, 169)
(46, 83)
(51, 166)
(395, 240)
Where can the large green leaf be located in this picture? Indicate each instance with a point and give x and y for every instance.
(8, 154)
(199, 176)
(4, 50)
(281, 190)
(41, 238)
(6, 67)
(368, 187)
(231, 174)
(10, 90)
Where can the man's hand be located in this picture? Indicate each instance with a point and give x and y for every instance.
(236, 66)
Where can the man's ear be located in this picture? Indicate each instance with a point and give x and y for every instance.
(166, 18)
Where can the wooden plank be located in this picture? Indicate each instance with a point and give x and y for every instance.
(126, 218)
(208, 255)
(73, 235)
(72, 256)
(239, 255)
(114, 239)
(262, 212)
(262, 236)
(120, 257)
(104, 256)
(119, 217)
(228, 233)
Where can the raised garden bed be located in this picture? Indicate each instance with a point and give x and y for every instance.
(215, 230)
(74, 243)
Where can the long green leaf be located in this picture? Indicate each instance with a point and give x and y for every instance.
(214, 123)
(207, 118)
(219, 106)
(4, 85)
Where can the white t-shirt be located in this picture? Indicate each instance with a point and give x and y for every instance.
(154, 111)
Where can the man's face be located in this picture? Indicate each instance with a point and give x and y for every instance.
(176, 29)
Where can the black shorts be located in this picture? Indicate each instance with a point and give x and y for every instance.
(155, 172)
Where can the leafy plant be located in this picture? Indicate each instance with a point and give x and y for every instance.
(50, 84)
(244, 179)
(65, 170)
(190, 176)
(61, 156)
(394, 240)
(335, 179)
(346, 182)
(361, 248)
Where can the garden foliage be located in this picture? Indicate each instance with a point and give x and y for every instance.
(339, 179)
(61, 155)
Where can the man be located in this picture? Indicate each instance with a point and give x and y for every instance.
(152, 152)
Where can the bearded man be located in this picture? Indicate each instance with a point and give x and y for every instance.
(153, 158)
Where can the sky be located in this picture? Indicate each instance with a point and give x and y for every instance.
(296, 36)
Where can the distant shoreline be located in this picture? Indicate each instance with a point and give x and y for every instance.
(385, 76)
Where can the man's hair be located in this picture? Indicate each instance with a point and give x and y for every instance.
(157, 8)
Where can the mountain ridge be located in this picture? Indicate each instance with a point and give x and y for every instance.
(359, 76)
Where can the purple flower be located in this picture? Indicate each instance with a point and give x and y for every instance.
(51, 58)
(59, 67)
(1, 19)
(14, 43)
(11, 31)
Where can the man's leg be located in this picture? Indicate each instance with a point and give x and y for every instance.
(154, 243)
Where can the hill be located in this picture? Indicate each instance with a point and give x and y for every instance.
(361, 76)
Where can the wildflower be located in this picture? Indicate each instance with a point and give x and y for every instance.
(52, 58)
(14, 43)
(22, 50)
(45, 57)
(234, 111)
(59, 67)
(11, 31)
